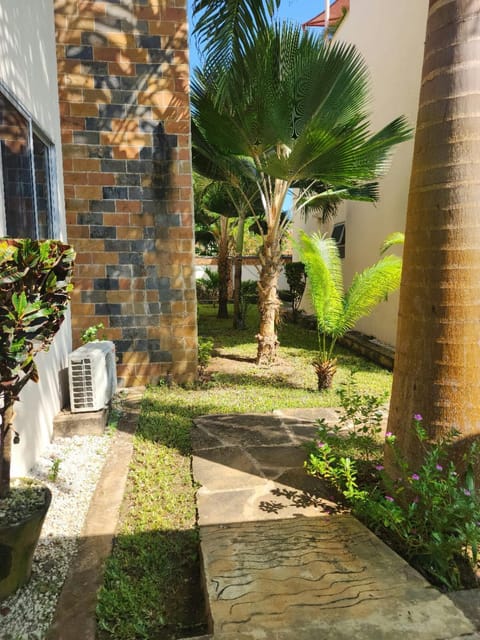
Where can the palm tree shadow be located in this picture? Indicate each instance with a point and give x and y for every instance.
(233, 356)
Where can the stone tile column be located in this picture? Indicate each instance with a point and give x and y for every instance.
(123, 87)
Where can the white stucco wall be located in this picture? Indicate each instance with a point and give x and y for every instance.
(390, 35)
(28, 68)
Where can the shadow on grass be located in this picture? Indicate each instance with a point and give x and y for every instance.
(232, 356)
(152, 588)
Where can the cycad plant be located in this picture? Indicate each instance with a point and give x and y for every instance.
(338, 311)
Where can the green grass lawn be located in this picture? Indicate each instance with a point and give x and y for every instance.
(152, 583)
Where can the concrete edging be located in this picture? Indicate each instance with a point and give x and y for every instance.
(75, 612)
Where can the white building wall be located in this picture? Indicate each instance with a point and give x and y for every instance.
(28, 68)
(390, 35)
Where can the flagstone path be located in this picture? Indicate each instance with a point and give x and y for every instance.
(281, 561)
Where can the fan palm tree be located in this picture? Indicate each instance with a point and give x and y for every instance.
(437, 359)
(338, 312)
(293, 110)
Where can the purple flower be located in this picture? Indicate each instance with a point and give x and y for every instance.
(389, 498)
(415, 476)
(418, 417)
(467, 492)
(379, 467)
(439, 467)
(389, 434)
(320, 444)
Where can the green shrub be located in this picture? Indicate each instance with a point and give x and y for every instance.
(205, 348)
(91, 333)
(430, 515)
(297, 279)
(34, 293)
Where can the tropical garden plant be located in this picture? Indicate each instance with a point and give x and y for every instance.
(430, 514)
(35, 282)
(208, 285)
(338, 311)
(215, 222)
(287, 109)
(296, 279)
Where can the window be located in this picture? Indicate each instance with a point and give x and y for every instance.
(338, 234)
(26, 175)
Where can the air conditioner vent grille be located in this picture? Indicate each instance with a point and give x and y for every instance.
(92, 376)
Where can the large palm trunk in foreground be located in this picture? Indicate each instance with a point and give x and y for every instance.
(437, 364)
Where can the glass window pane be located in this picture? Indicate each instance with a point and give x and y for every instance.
(42, 186)
(338, 234)
(16, 172)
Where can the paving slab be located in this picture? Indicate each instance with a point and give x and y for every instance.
(282, 561)
(323, 577)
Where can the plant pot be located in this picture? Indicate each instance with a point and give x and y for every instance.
(17, 546)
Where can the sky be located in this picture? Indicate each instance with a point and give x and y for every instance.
(300, 10)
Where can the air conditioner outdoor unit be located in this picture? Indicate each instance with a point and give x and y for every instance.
(92, 376)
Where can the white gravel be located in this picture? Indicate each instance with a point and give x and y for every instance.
(27, 614)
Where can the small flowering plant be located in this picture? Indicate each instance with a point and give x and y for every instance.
(430, 515)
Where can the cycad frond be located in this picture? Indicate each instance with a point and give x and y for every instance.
(397, 237)
(325, 279)
(368, 289)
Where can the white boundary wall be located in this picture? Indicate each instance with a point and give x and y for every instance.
(390, 35)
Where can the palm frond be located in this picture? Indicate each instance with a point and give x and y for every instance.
(397, 237)
(368, 289)
(326, 199)
(325, 280)
(224, 29)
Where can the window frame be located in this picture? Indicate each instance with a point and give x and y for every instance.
(343, 234)
(51, 174)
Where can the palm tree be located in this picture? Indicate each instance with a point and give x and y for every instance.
(437, 360)
(215, 218)
(338, 312)
(291, 110)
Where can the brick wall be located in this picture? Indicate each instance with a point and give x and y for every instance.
(123, 80)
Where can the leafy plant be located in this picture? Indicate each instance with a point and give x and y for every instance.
(54, 469)
(430, 515)
(35, 282)
(337, 311)
(296, 278)
(205, 348)
(361, 410)
(91, 333)
(248, 294)
(210, 284)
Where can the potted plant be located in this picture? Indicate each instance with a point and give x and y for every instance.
(35, 282)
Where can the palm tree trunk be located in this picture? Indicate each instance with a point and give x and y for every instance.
(238, 319)
(437, 363)
(223, 269)
(268, 302)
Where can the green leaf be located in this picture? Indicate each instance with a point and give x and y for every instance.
(19, 302)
